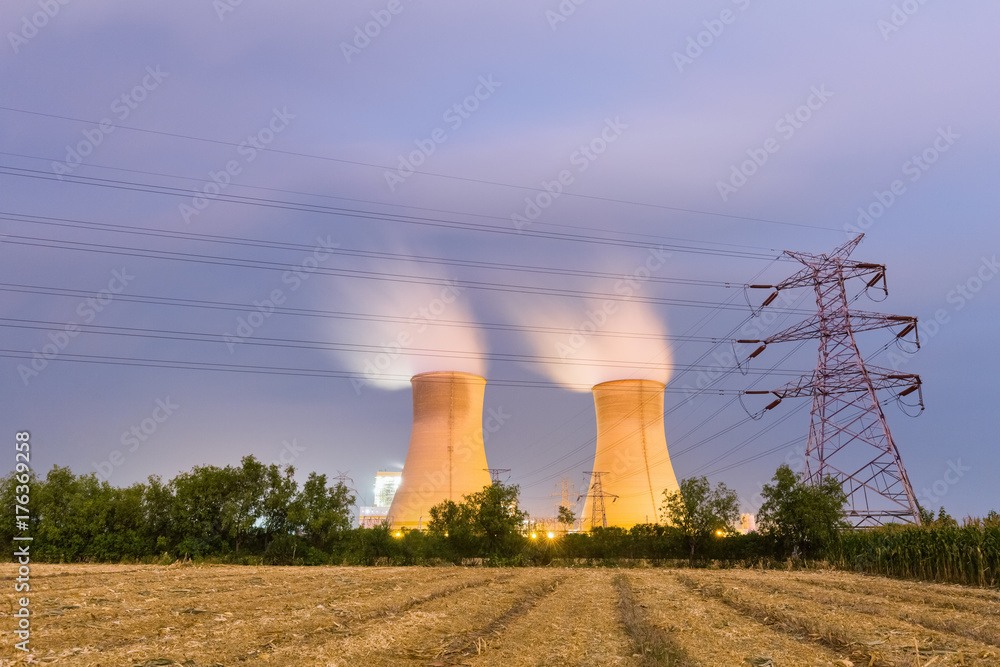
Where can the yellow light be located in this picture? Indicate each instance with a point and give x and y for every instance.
(533, 536)
(719, 533)
(551, 535)
(399, 534)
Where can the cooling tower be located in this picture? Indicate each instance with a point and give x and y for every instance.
(446, 459)
(631, 452)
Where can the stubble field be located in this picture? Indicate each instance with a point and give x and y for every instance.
(371, 617)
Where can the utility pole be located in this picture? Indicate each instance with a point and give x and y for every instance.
(598, 496)
(849, 436)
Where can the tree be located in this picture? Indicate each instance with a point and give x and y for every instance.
(496, 517)
(566, 517)
(244, 501)
(447, 517)
(158, 501)
(698, 511)
(801, 518)
(199, 499)
(280, 490)
(490, 517)
(321, 512)
(926, 515)
(452, 523)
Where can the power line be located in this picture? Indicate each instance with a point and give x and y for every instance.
(180, 364)
(536, 223)
(291, 343)
(330, 314)
(369, 254)
(366, 214)
(246, 263)
(422, 173)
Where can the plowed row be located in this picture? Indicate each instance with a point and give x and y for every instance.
(205, 616)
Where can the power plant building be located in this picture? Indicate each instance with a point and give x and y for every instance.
(386, 483)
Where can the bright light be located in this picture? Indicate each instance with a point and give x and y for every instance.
(719, 533)
(551, 535)
(534, 536)
(399, 534)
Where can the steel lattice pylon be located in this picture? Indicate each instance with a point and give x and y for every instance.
(598, 495)
(849, 436)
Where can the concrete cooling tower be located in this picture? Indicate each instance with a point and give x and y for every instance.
(446, 459)
(631, 452)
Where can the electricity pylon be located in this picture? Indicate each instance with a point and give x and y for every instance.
(565, 489)
(849, 436)
(495, 474)
(598, 496)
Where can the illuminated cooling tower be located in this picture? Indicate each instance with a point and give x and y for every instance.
(446, 459)
(632, 454)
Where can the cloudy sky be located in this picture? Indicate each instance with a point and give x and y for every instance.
(329, 198)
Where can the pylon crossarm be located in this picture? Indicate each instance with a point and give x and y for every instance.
(815, 327)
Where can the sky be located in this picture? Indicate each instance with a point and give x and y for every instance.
(550, 194)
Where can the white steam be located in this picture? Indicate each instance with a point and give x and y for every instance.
(413, 328)
(602, 341)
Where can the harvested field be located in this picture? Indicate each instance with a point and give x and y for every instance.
(111, 615)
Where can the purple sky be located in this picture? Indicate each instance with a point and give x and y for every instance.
(636, 114)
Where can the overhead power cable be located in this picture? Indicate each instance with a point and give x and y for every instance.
(506, 219)
(179, 364)
(333, 314)
(421, 173)
(337, 250)
(350, 273)
(362, 214)
(293, 343)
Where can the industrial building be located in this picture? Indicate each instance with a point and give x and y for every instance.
(386, 484)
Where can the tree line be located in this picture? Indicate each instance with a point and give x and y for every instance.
(256, 513)
(234, 511)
